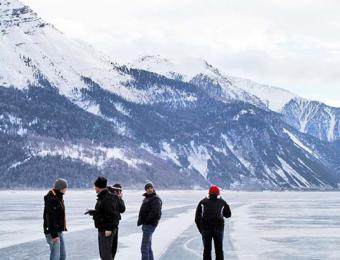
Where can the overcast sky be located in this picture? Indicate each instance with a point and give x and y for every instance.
(286, 43)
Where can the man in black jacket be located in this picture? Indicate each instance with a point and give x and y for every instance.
(106, 218)
(209, 218)
(55, 220)
(116, 190)
(149, 215)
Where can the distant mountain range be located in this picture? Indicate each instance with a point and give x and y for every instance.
(68, 110)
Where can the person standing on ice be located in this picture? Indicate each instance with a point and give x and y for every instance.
(55, 220)
(209, 218)
(149, 215)
(106, 218)
(116, 190)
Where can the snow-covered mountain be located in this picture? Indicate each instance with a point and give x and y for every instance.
(33, 51)
(226, 86)
(314, 118)
(200, 73)
(69, 110)
(32, 48)
(275, 98)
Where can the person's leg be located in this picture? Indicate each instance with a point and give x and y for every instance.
(218, 242)
(146, 242)
(62, 247)
(99, 244)
(105, 246)
(207, 239)
(114, 243)
(151, 230)
(144, 246)
(54, 248)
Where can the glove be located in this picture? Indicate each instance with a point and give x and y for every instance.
(89, 212)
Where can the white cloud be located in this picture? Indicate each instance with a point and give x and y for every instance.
(292, 44)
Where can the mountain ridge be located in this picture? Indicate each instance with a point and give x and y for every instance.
(69, 110)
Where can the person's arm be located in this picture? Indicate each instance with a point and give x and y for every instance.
(156, 210)
(139, 221)
(226, 211)
(198, 216)
(122, 207)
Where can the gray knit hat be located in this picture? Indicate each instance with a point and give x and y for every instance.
(148, 184)
(60, 184)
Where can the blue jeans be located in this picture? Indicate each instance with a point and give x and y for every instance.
(58, 251)
(146, 249)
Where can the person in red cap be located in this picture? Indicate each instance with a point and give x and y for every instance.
(209, 218)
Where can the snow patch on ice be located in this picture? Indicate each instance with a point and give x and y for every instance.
(131, 250)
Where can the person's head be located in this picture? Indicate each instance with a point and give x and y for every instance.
(149, 188)
(60, 185)
(214, 191)
(100, 184)
(117, 188)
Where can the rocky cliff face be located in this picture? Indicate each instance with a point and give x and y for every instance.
(313, 118)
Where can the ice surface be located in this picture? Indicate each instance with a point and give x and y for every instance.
(267, 225)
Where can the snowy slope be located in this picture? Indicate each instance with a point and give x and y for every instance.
(33, 49)
(233, 88)
(310, 117)
(36, 53)
(275, 98)
(314, 118)
(200, 73)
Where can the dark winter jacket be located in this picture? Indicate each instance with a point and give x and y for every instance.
(151, 210)
(121, 203)
(121, 206)
(210, 213)
(54, 213)
(106, 215)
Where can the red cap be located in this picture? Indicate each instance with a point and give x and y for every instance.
(214, 190)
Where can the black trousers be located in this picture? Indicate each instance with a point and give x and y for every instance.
(208, 235)
(115, 244)
(105, 245)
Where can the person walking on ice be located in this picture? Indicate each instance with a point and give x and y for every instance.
(149, 215)
(55, 220)
(209, 219)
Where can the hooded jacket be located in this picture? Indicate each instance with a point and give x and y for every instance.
(54, 213)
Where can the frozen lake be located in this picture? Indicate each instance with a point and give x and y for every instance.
(268, 225)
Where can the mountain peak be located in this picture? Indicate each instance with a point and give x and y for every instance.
(14, 14)
(184, 68)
